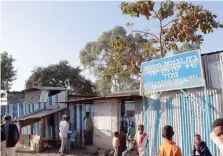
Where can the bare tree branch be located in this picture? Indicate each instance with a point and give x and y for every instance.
(135, 31)
(156, 14)
(169, 23)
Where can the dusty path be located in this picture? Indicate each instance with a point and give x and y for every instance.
(51, 152)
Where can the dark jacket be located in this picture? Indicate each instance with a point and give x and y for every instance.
(202, 150)
(13, 135)
(2, 135)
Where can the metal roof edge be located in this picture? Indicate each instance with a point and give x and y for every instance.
(90, 100)
(210, 53)
(33, 88)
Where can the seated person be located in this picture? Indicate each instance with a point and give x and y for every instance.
(131, 147)
(200, 147)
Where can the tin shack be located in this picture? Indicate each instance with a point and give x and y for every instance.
(107, 113)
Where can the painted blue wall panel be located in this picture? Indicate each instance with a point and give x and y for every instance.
(19, 110)
(185, 116)
(75, 117)
(80, 117)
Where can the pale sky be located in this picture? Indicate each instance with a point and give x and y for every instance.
(43, 33)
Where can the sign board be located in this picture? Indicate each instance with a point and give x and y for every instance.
(180, 71)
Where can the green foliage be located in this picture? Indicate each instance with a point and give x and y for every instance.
(116, 57)
(8, 72)
(187, 47)
(178, 22)
(103, 87)
(100, 57)
(55, 75)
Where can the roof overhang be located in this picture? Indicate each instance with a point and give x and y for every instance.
(91, 100)
(36, 116)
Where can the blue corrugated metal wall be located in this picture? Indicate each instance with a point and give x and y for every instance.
(20, 109)
(186, 117)
(77, 113)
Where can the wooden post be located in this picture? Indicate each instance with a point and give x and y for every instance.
(20, 127)
(31, 129)
(42, 128)
(68, 110)
(40, 147)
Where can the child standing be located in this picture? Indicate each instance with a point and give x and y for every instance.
(169, 148)
(141, 140)
(116, 143)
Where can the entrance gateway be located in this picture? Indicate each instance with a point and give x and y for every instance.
(178, 72)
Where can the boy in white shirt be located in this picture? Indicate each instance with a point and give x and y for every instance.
(141, 140)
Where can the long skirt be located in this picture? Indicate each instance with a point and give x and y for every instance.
(88, 137)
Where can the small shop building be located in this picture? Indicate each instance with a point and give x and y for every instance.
(107, 113)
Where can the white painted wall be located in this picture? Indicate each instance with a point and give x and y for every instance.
(106, 122)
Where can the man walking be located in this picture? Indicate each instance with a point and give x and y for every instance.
(64, 130)
(11, 135)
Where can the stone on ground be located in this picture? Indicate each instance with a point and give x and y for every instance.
(102, 152)
(111, 153)
(91, 149)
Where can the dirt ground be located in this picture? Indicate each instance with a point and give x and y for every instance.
(51, 152)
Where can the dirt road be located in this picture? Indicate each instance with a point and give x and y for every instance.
(51, 152)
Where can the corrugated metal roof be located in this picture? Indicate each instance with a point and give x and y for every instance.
(45, 88)
(210, 53)
(125, 93)
(118, 95)
(41, 113)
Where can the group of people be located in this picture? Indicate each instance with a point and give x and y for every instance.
(9, 137)
(137, 145)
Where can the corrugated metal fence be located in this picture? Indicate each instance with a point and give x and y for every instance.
(185, 115)
(76, 111)
(20, 109)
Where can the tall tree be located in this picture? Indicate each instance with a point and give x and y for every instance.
(187, 47)
(8, 72)
(56, 75)
(98, 56)
(177, 22)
